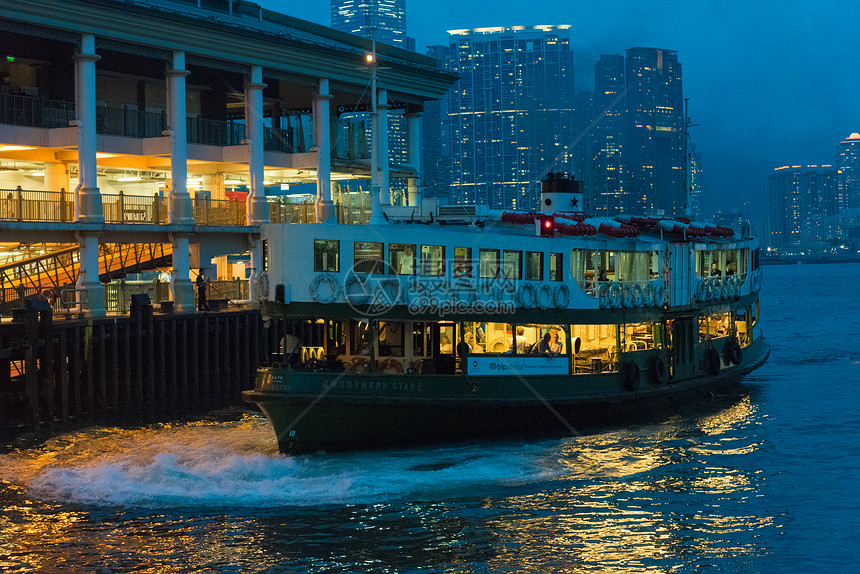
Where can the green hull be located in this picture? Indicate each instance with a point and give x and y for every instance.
(312, 411)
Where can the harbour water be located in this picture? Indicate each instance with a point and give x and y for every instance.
(761, 481)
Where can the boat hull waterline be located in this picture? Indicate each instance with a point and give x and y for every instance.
(329, 411)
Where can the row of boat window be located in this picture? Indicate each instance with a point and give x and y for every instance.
(438, 261)
(586, 265)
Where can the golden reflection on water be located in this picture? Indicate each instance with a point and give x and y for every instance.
(631, 513)
(666, 497)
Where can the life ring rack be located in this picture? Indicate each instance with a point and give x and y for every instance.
(333, 287)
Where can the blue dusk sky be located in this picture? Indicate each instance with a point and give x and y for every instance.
(770, 83)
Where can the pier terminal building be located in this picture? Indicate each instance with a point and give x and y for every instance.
(161, 134)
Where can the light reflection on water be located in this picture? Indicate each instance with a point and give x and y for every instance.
(632, 499)
(762, 482)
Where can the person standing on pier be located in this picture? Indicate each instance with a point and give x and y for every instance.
(202, 305)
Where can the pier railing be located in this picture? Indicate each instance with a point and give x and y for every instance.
(23, 205)
(124, 208)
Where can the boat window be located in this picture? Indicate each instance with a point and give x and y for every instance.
(488, 263)
(528, 339)
(741, 326)
(534, 266)
(335, 339)
(598, 348)
(446, 339)
(731, 262)
(420, 339)
(369, 257)
(401, 258)
(327, 255)
(512, 264)
(462, 262)
(360, 338)
(713, 326)
(433, 260)
(498, 337)
(475, 335)
(264, 250)
(556, 267)
(391, 339)
(638, 336)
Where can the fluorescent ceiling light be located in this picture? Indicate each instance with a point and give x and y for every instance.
(15, 147)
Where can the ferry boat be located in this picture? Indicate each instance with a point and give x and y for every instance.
(461, 323)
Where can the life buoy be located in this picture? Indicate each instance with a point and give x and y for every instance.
(355, 298)
(615, 295)
(464, 284)
(647, 294)
(389, 363)
(626, 295)
(544, 296)
(714, 362)
(387, 292)
(700, 290)
(355, 363)
(333, 288)
(658, 370)
(637, 294)
(631, 376)
(603, 295)
(527, 297)
(733, 352)
(263, 285)
(659, 295)
(561, 297)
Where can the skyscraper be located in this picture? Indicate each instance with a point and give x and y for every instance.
(848, 165)
(801, 205)
(607, 153)
(511, 113)
(654, 149)
(386, 17)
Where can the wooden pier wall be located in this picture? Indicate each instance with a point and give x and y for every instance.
(140, 366)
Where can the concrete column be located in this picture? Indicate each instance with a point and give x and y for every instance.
(322, 141)
(179, 205)
(56, 176)
(254, 293)
(382, 119)
(92, 295)
(413, 151)
(181, 288)
(258, 207)
(88, 198)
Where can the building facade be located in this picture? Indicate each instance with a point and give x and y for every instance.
(654, 139)
(187, 131)
(802, 201)
(386, 19)
(848, 165)
(607, 165)
(510, 114)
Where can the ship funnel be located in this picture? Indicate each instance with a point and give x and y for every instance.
(559, 192)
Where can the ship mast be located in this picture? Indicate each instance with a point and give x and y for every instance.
(375, 203)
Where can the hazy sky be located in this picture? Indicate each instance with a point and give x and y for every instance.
(770, 83)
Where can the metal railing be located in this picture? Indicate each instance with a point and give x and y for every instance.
(21, 110)
(23, 205)
(283, 212)
(124, 208)
(220, 212)
(130, 123)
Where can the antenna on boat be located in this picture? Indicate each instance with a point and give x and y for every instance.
(375, 203)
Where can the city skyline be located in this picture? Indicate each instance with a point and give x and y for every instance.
(754, 74)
